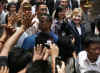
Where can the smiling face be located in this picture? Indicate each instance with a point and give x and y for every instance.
(77, 15)
(77, 18)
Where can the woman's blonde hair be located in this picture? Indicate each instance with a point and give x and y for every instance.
(77, 11)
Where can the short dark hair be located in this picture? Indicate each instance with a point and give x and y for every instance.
(64, 52)
(49, 18)
(39, 66)
(90, 39)
(38, 5)
(10, 4)
(18, 58)
(42, 37)
(58, 9)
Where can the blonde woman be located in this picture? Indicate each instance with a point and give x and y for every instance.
(76, 29)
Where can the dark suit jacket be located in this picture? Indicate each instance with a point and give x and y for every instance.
(51, 5)
(70, 29)
(74, 4)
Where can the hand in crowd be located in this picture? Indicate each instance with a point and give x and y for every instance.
(62, 68)
(68, 13)
(73, 40)
(11, 19)
(40, 53)
(4, 69)
(54, 53)
(74, 55)
(23, 70)
(27, 19)
(19, 14)
(9, 30)
(54, 50)
(24, 17)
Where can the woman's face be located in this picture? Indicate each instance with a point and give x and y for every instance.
(61, 14)
(77, 18)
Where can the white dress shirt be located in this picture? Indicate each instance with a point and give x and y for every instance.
(86, 65)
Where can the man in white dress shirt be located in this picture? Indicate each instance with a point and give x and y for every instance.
(89, 59)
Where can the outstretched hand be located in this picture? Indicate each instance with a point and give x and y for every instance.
(40, 53)
(9, 30)
(54, 53)
(26, 20)
(68, 13)
(54, 50)
(12, 19)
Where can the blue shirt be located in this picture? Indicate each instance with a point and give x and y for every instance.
(30, 41)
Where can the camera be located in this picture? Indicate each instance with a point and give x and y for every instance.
(47, 44)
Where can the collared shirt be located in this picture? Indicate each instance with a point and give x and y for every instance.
(86, 65)
(79, 30)
(34, 28)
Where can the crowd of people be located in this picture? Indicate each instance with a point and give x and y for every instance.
(48, 36)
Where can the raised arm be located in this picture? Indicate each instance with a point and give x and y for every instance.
(2, 40)
(11, 41)
(26, 23)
